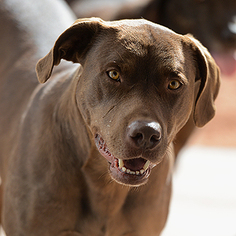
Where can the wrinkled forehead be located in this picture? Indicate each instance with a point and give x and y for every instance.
(146, 39)
(134, 41)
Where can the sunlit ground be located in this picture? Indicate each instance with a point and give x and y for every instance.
(204, 193)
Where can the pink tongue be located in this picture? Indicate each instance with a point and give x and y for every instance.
(134, 164)
(226, 62)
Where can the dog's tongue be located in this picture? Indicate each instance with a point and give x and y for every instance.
(226, 62)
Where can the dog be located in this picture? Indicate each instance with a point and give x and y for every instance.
(89, 151)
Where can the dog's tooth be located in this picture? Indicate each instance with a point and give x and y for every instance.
(128, 171)
(142, 171)
(121, 163)
(145, 167)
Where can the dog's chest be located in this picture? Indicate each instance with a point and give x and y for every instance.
(117, 210)
(138, 221)
(134, 221)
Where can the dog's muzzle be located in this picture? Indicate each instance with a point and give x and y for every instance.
(132, 171)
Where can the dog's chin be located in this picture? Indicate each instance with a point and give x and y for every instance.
(131, 172)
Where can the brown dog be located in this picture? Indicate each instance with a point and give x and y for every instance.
(86, 138)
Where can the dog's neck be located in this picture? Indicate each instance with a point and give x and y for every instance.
(69, 123)
(108, 196)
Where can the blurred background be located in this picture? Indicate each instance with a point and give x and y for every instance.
(204, 184)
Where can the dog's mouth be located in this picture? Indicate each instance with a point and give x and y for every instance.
(132, 172)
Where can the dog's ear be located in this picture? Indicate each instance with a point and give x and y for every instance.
(209, 75)
(71, 45)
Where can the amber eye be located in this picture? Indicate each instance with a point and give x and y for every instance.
(174, 84)
(113, 74)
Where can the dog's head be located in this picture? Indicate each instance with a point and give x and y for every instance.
(139, 85)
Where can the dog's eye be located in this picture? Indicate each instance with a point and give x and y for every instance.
(174, 84)
(113, 74)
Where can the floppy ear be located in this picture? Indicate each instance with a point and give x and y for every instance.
(209, 76)
(71, 45)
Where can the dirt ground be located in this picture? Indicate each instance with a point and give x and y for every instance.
(221, 131)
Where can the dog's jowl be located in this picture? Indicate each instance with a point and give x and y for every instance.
(93, 152)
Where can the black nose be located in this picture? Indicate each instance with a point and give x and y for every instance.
(143, 134)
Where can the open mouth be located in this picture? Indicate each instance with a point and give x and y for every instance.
(132, 172)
